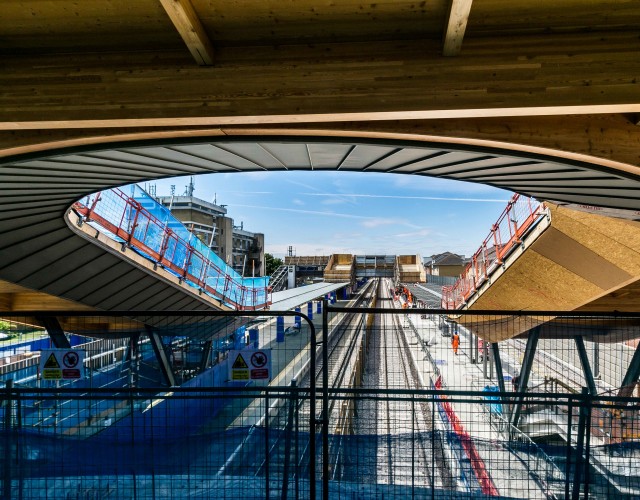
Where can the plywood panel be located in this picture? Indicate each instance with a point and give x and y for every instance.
(537, 283)
(580, 260)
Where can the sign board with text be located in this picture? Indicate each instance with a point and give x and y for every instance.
(250, 364)
(62, 364)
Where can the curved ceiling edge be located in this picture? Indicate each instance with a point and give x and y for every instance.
(531, 171)
(99, 142)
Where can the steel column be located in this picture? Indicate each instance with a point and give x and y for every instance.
(631, 377)
(206, 353)
(527, 362)
(55, 331)
(586, 367)
(325, 401)
(161, 356)
(498, 360)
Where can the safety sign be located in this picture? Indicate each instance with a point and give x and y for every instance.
(250, 364)
(62, 364)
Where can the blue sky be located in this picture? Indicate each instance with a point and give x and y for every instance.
(320, 213)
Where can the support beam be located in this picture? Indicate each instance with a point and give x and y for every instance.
(55, 331)
(498, 360)
(206, 353)
(186, 21)
(586, 367)
(161, 356)
(527, 363)
(456, 26)
(631, 377)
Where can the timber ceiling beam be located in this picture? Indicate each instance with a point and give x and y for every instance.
(301, 84)
(186, 21)
(456, 26)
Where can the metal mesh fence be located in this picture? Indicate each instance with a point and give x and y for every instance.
(362, 400)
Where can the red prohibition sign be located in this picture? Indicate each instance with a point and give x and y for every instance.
(70, 359)
(258, 359)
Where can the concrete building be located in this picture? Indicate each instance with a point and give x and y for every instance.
(242, 249)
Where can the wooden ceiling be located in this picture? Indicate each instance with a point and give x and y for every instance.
(546, 78)
(37, 26)
(170, 63)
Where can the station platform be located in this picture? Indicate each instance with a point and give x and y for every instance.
(486, 448)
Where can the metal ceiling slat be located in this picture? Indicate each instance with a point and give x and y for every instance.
(328, 157)
(108, 283)
(365, 154)
(10, 215)
(230, 158)
(96, 261)
(42, 256)
(451, 166)
(133, 289)
(105, 165)
(98, 161)
(479, 167)
(84, 283)
(289, 155)
(111, 288)
(34, 234)
(486, 174)
(56, 167)
(62, 266)
(191, 154)
(155, 294)
(200, 166)
(346, 157)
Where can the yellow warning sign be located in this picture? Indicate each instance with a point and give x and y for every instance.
(239, 363)
(240, 374)
(52, 362)
(52, 374)
(250, 365)
(62, 364)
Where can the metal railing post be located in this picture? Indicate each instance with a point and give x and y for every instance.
(312, 412)
(266, 446)
(8, 445)
(584, 411)
(325, 402)
(287, 442)
(569, 447)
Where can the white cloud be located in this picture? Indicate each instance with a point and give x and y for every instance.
(379, 221)
(404, 197)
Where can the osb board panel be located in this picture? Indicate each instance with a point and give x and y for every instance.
(407, 259)
(342, 258)
(535, 282)
(616, 240)
(499, 328)
(623, 299)
(568, 253)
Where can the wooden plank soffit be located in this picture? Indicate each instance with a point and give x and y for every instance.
(456, 26)
(186, 21)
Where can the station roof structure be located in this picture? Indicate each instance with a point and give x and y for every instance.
(539, 97)
(288, 299)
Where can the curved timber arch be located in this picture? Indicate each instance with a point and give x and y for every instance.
(39, 252)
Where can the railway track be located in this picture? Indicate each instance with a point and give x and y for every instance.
(407, 448)
(286, 417)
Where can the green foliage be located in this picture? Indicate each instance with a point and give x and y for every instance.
(271, 263)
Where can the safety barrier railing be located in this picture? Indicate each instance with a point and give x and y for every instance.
(214, 436)
(519, 216)
(139, 222)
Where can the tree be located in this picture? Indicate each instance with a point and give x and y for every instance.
(271, 263)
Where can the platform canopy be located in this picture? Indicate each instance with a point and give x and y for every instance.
(289, 299)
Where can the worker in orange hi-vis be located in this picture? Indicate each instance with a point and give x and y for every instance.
(455, 342)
